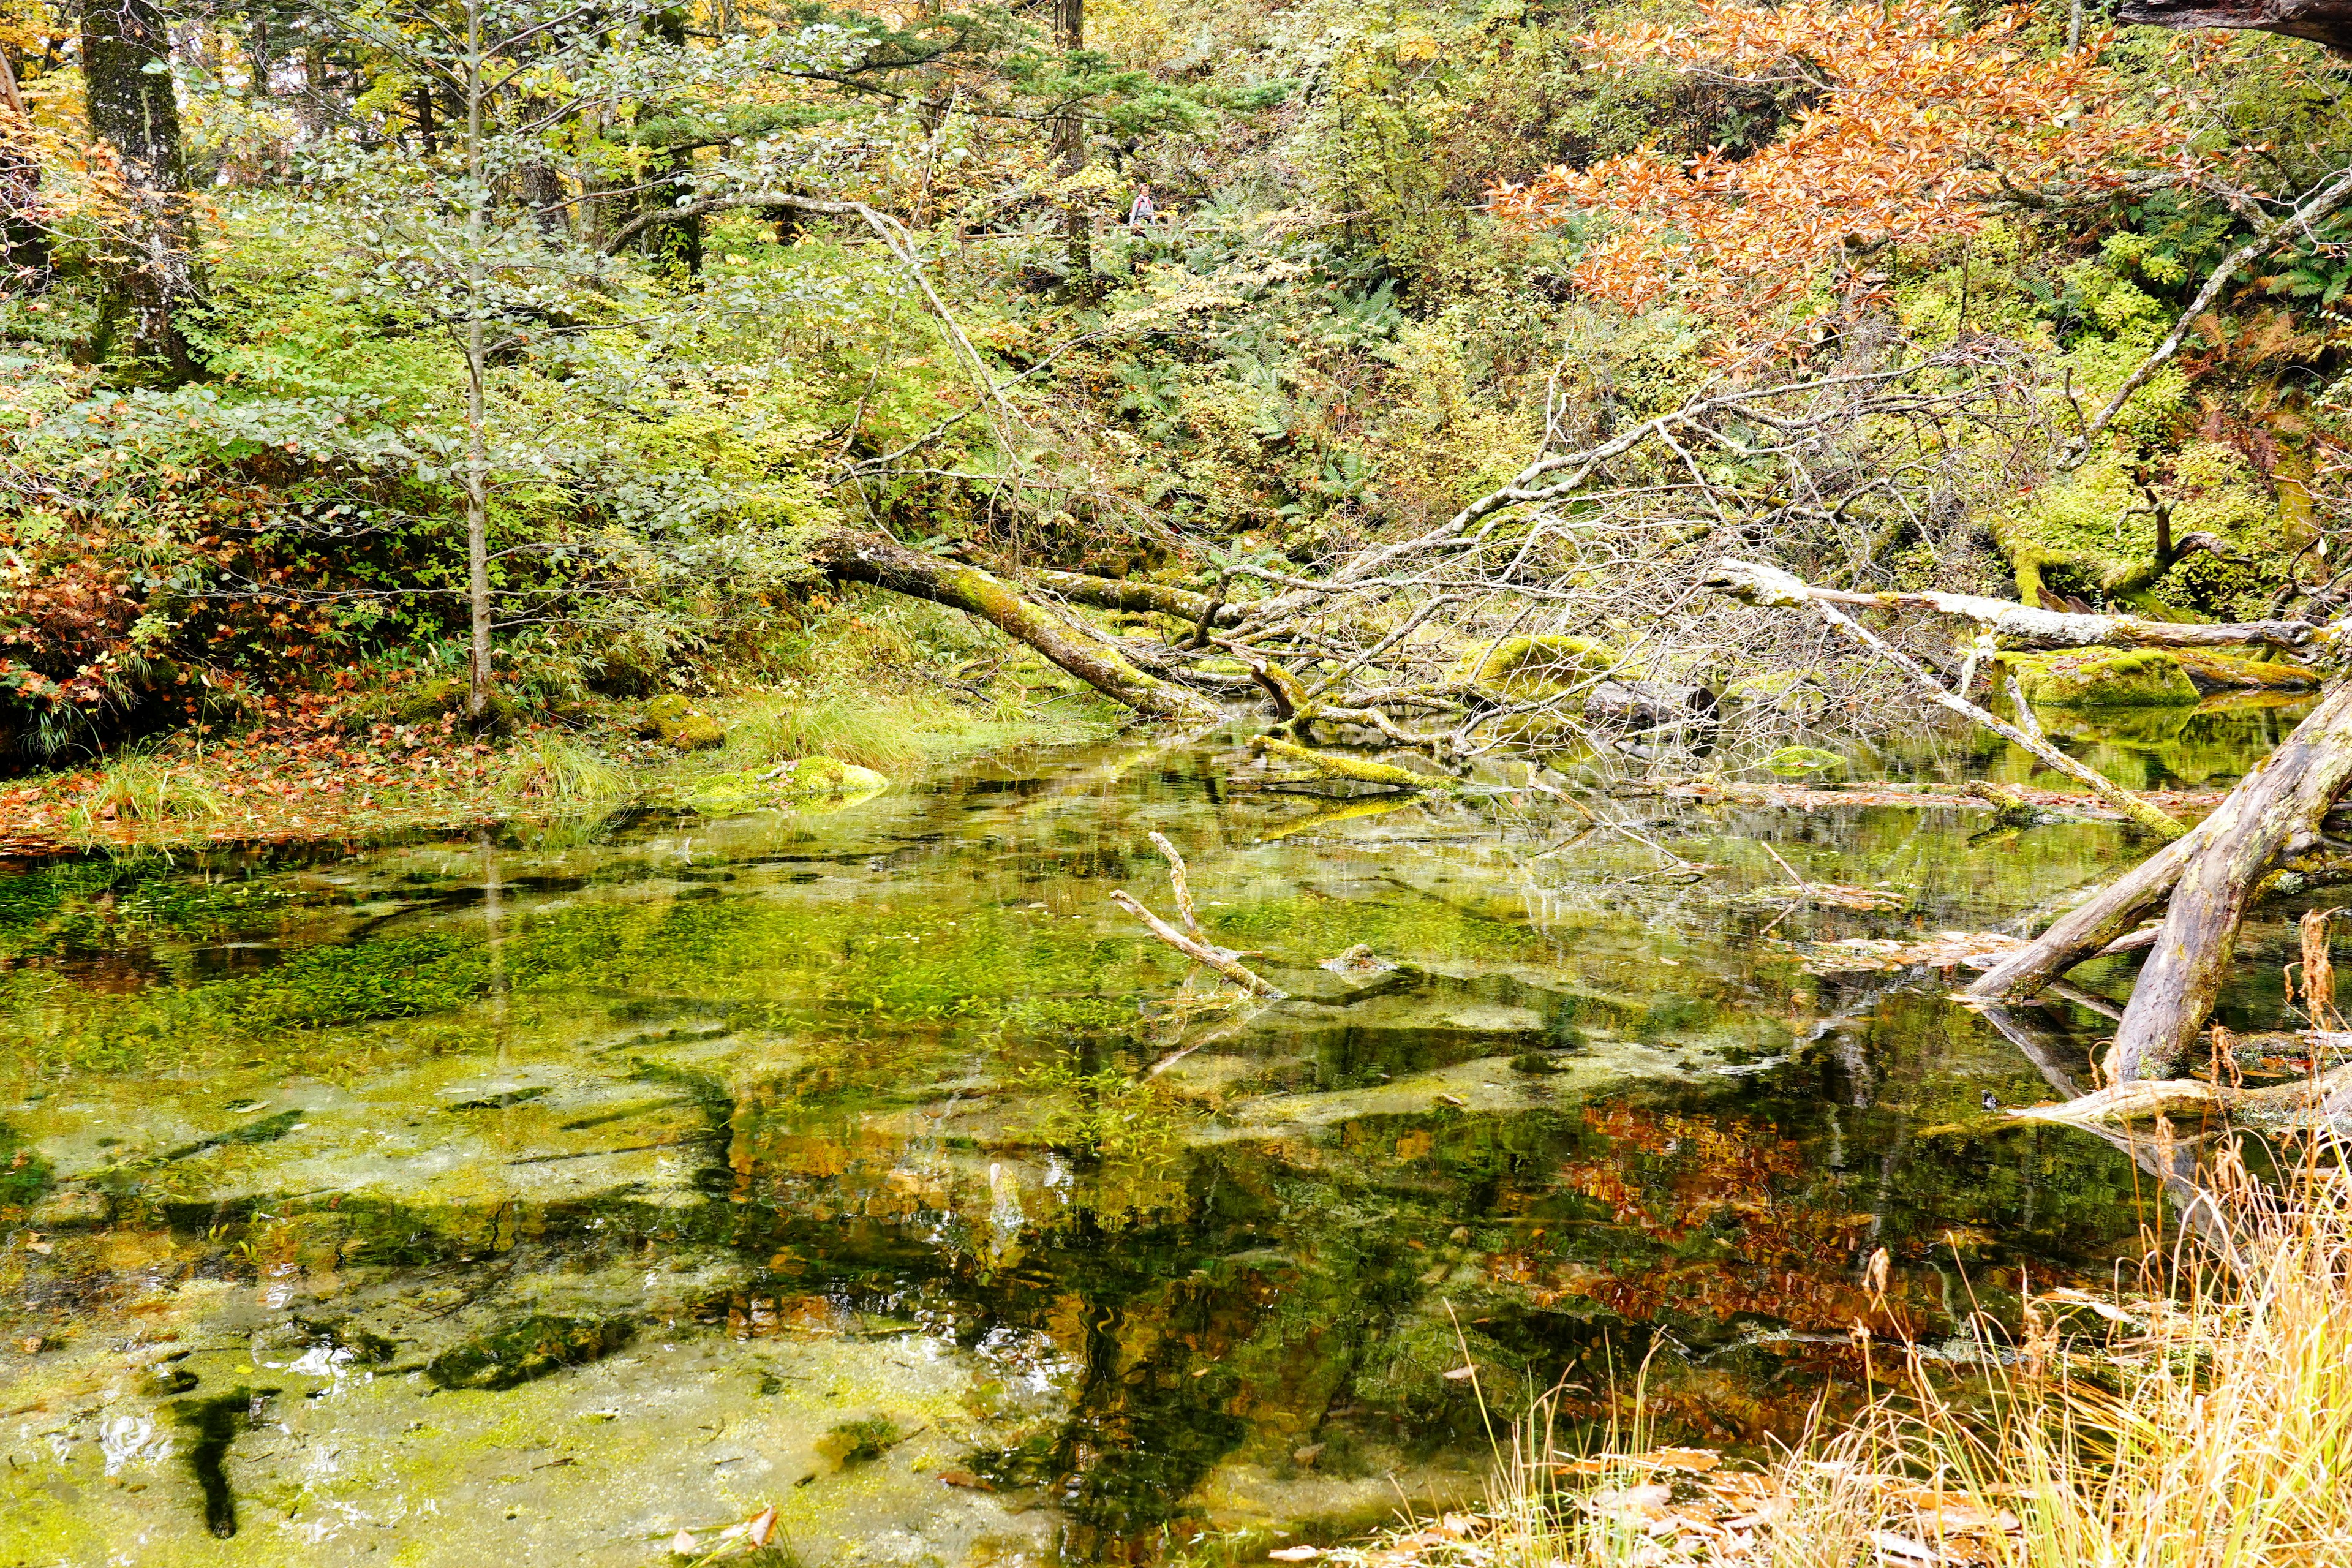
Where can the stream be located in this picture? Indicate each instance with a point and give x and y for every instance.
(541, 1193)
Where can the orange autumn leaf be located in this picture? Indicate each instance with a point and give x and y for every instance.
(1915, 125)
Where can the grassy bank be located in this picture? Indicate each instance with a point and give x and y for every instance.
(2202, 1421)
(353, 763)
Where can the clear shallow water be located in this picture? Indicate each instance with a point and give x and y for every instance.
(551, 1190)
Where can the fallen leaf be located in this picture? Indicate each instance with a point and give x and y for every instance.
(682, 1544)
(1903, 1546)
(1452, 1099)
(1459, 1372)
(967, 1479)
(762, 1526)
(1294, 1554)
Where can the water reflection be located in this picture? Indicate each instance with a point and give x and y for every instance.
(560, 1189)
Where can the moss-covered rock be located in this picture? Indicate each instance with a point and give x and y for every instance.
(2103, 678)
(814, 776)
(1788, 690)
(431, 699)
(2229, 672)
(681, 724)
(1536, 666)
(532, 1347)
(809, 783)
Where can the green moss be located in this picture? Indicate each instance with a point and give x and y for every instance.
(680, 723)
(854, 1442)
(1534, 666)
(811, 781)
(2103, 678)
(2229, 672)
(1795, 762)
(24, 1175)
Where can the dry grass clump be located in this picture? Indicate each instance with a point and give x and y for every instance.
(2206, 1423)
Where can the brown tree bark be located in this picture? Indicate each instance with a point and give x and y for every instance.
(1069, 154)
(852, 556)
(126, 56)
(2327, 22)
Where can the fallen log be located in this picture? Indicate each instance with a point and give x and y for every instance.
(1357, 769)
(2327, 22)
(2014, 626)
(848, 556)
(2276, 810)
(1760, 584)
(1135, 595)
(1649, 705)
(2323, 1098)
(2082, 932)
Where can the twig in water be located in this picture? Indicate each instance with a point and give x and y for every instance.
(1176, 876)
(1215, 958)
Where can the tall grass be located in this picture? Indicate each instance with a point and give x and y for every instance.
(886, 733)
(551, 769)
(141, 786)
(895, 728)
(2205, 1424)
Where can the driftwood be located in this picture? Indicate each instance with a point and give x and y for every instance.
(2014, 626)
(1192, 942)
(2209, 878)
(2183, 1099)
(1222, 961)
(1760, 584)
(2274, 811)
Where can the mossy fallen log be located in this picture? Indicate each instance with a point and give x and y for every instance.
(1339, 766)
(2226, 672)
(854, 557)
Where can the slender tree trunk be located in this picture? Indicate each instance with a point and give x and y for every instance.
(126, 57)
(1069, 154)
(426, 141)
(24, 241)
(478, 459)
(678, 242)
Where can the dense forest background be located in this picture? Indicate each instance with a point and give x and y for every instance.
(369, 346)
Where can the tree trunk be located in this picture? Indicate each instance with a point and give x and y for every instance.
(24, 241)
(1133, 595)
(2274, 811)
(478, 706)
(2083, 931)
(126, 56)
(857, 557)
(1069, 155)
(2327, 22)
(675, 244)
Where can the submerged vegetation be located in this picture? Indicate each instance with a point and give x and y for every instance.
(1554, 475)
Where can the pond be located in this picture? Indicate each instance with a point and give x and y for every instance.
(551, 1190)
